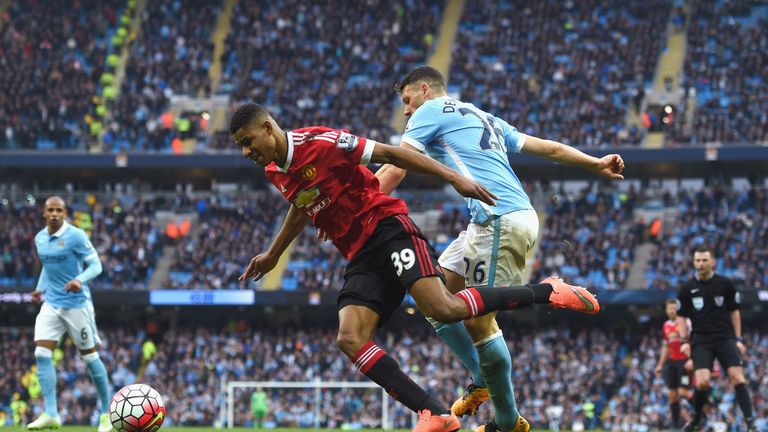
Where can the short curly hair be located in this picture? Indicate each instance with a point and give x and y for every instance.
(246, 114)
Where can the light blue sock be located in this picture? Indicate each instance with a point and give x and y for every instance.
(46, 374)
(457, 338)
(496, 366)
(100, 379)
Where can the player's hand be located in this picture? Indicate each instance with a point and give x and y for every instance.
(685, 348)
(741, 347)
(610, 166)
(73, 286)
(260, 265)
(322, 235)
(657, 370)
(37, 297)
(472, 189)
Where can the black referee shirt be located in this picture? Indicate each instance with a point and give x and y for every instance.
(709, 304)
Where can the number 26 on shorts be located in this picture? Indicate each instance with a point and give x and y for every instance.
(477, 275)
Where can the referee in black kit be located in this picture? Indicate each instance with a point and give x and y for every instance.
(712, 304)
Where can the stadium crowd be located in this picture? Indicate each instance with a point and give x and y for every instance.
(726, 65)
(306, 69)
(733, 222)
(565, 378)
(121, 230)
(52, 56)
(228, 233)
(561, 70)
(171, 54)
(589, 238)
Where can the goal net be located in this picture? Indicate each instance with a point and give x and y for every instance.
(311, 404)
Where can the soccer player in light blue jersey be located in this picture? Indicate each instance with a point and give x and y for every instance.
(492, 251)
(69, 262)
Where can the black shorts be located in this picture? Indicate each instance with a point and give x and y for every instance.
(725, 351)
(676, 375)
(395, 256)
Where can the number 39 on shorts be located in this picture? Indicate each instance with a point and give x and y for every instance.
(403, 260)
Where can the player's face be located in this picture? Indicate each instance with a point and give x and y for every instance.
(671, 311)
(703, 262)
(413, 96)
(54, 213)
(257, 143)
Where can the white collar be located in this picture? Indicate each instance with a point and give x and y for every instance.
(61, 230)
(289, 155)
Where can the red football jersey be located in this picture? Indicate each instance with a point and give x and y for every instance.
(324, 176)
(672, 337)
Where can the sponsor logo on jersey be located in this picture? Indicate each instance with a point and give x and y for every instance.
(308, 172)
(409, 125)
(698, 302)
(719, 300)
(346, 141)
(319, 206)
(306, 197)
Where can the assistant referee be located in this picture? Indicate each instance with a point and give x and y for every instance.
(712, 304)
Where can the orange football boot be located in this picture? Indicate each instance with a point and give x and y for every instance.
(436, 423)
(573, 297)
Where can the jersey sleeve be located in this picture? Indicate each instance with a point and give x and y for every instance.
(732, 296)
(351, 149)
(83, 247)
(422, 127)
(513, 139)
(684, 304)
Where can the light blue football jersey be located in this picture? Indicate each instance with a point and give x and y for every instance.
(474, 143)
(63, 255)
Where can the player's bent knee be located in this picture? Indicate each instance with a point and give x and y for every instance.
(41, 351)
(349, 342)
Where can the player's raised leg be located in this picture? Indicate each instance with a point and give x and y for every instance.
(357, 325)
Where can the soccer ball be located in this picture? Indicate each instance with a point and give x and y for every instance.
(137, 408)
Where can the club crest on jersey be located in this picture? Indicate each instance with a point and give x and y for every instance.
(306, 197)
(719, 300)
(698, 303)
(346, 141)
(308, 172)
(60, 243)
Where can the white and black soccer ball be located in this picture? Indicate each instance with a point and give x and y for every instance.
(137, 408)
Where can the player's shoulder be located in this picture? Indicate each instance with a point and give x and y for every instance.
(75, 232)
(42, 233)
(314, 133)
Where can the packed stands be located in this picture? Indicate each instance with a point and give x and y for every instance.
(565, 378)
(230, 232)
(732, 222)
(337, 71)
(560, 70)
(170, 56)
(726, 66)
(589, 238)
(52, 56)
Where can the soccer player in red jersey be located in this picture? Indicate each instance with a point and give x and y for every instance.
(676, 375)
(320, 171)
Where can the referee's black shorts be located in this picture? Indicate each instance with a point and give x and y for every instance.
(395, 256)
(676, 375)
(704, 354)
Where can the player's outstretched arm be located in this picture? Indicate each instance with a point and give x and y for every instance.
(261, 264)
(610, 166)
(391, 176)
(413, 161)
